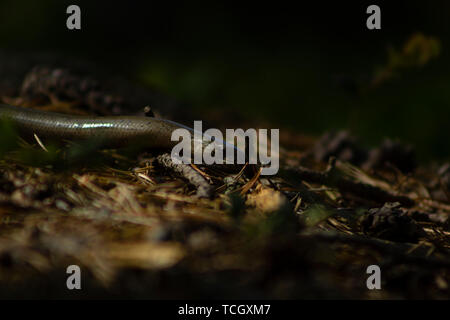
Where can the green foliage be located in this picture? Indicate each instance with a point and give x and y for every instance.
(416, 52)
(8, 137)
(55, 155)
(316, 214)
(283, 222)
(236, 207)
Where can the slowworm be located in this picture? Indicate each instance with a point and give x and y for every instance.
(111, 131)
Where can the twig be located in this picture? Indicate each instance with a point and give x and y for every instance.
(331, 178)
(40, 142)
(400, 250)
(204, 189)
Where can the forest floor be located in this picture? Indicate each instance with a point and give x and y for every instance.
(137, 229)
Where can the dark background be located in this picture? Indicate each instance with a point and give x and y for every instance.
(298, 65)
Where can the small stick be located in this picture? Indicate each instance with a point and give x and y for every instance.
(204, 189)
(40, 142)
(329, 178)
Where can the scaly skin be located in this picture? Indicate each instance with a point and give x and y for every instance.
(113, 131)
